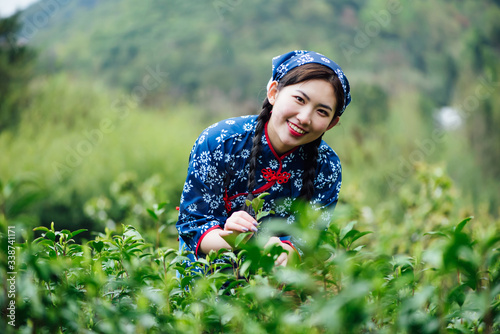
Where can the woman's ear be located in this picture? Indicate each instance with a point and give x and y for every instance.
(334, 122)
(272, 91)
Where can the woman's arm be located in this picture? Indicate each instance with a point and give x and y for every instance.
(238, 222)
(213, 241)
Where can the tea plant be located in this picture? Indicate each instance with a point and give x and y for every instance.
(122, 281)
(256, 206)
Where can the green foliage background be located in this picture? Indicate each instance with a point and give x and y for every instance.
(405, 60)
(102, 100)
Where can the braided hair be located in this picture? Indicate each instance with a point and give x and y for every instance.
(296, 75)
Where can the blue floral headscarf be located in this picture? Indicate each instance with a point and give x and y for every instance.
(284, 63)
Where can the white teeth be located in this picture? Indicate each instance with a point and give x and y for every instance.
(295, 128)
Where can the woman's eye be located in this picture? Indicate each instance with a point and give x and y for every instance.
(323, 112)
(299, 99)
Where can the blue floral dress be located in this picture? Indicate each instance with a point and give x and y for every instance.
(217, 176)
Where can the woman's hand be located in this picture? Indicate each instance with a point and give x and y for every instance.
(238, 222)
(282, 259)
(241, 221)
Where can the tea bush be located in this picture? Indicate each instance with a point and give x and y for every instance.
(398, 278)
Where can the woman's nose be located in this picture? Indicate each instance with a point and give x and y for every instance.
(304, 116)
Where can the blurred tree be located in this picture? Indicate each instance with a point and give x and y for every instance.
(373, 103)
(479, 95)
(15, 71)
(216, 55)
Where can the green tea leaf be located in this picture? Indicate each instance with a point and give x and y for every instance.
(359, 235)
(67, 232)
(262, 214)
(462, 224)
(344, 231)
(160, 207)
(152, 214)
(97, 245)
(437, 234)
(245, 268)
(50, 235)
(78, 232)
(242, 238)
(230, 239)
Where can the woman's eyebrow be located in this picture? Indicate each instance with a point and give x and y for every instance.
(309, 99)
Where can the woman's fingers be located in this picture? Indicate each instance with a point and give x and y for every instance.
(224, 233)
(246, 217)
(241, 221)
(281, 260)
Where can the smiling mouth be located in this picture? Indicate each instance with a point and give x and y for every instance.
(296, 129)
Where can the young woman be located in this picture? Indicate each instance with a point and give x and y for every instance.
(280, 151)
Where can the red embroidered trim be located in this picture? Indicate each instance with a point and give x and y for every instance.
(227, 201)
(280, 177)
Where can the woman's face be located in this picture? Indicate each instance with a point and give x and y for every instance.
(301, 113)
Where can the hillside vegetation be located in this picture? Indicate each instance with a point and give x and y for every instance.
(163, 65)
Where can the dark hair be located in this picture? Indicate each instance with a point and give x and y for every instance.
(299, 74)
